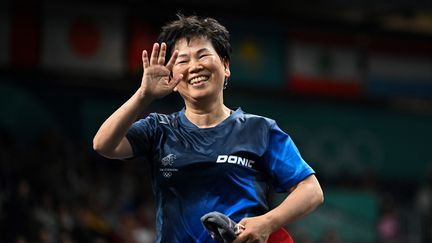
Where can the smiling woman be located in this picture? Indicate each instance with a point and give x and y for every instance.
(204, 73)
(207, 157)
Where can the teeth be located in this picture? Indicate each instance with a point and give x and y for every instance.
(198, 79)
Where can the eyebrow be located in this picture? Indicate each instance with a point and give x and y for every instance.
(203, 50)
(198, 52)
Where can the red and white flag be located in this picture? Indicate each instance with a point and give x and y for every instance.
(324, 69)
(84, 38)
(4, 34)
(141, 37)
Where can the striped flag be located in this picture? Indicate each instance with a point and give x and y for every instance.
(399, 75)
(84, 38)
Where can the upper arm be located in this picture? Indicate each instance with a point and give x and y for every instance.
(310, 181)
(284, 162)
(122, 151)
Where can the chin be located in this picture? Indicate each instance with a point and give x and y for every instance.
(199, 95)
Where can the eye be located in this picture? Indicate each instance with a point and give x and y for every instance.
(181, 62)
(203, 55)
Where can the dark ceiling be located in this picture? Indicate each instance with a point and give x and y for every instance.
(385, 15)
(391, 15)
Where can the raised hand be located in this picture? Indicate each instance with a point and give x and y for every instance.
(157, 81)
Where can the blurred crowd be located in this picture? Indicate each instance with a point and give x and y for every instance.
(59, 190)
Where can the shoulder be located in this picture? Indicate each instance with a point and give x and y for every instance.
(165, 118)
(159, 119)
(257, 119)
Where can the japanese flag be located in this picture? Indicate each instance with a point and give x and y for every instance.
(84, 39)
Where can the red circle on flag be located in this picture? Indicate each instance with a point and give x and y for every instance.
(84, 38)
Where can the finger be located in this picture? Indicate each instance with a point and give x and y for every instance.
(242, 222)
(172, 60)
(155, 54)
(162, 53)
(242, 237)
(145, 59)
(239, 228)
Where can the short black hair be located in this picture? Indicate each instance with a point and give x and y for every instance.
(193, 26)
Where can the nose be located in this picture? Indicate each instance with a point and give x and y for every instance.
(195, 66)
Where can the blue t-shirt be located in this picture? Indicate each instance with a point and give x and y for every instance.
(226, 168)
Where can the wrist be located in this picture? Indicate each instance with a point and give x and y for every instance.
(273, 222)
(143, 97)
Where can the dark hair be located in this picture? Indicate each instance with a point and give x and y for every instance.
(194, 26)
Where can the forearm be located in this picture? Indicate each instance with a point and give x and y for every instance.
(300, 202)
(113, 130)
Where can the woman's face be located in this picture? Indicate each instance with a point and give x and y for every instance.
(203, 70)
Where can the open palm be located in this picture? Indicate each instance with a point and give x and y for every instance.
(157, 81)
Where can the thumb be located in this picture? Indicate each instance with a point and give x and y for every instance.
(175, 81)
(243, 221)
(241, 236)
(240, 226)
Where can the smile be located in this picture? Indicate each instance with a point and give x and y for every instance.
(198, 80)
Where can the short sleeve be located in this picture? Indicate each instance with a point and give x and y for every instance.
(141, 134)
(285, 164)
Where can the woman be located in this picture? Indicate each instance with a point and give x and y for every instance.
(207, 157)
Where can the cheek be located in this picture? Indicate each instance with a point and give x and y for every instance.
(178, 70)
(210, 62)
(215, 65)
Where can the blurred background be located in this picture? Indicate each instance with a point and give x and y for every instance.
(350, 81)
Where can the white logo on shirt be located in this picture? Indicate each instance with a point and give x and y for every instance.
(232, 159)
(167, 162)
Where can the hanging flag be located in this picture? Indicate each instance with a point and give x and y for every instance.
(257, 60)
(84, 38)
(394, 74)
(141, 38)
(4, 34)
(399, 67)
(25, 36)
(323, 69)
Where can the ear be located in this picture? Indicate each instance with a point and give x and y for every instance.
(227, 69)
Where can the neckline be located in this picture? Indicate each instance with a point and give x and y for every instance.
(185, 121)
